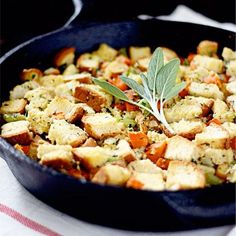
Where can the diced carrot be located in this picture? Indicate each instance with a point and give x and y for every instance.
(116, 81)
(133, 183)
(138, 139)
(214, 121)
(190, 57)
(23, 148)
(156, 151)
(233, 143)
(75, 173)
(163, 163)
(131, 107)
(184, 92)
(120, 106)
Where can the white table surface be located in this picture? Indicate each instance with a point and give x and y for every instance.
(22, 214)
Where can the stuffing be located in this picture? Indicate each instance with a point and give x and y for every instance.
(101, 125)
(31, 74)
(231, 68)
(115, 68)
(169, 54)
(179, 148)
(184, 175)
(64, 133)
(231, 87)
(106, 52)
(13, 106)
(143, 63)
(218, 156)
(209, 63)
(33, 147)
(17, 132)
(144, 166)
(84, 77)
(205, 90)
(232, 174)
(222, 112)
(39, 121)
(112, 174)
(154, 137)
(39, 98)
(137, 53)
(19, 91)
(214, 136)
(70, 70)
(92, 157)
(208, 48)
(88, 62)
(64, 57)
(188, 108)
(93, 95)
(231, 101)
(124, 151)
(231, 128)
(188, 129)
(228, 54)
(146, 181)
(56, 156)
(62, 107)
(51, 81)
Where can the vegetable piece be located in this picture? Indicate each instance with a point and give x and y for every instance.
(156, 151)
(222, 170)
(31, 74)
(211, 179)
(116, 81)
(64, 57)
(130, 107)
(233, 143)
(138, 139)
(215, 121)
(163, 163)
(23, 148)
(13, 117)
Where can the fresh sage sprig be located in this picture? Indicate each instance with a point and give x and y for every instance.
(158, 86)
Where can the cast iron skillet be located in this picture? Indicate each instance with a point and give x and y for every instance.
(106, 205)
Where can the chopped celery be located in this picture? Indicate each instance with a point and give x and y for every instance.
(212, 179)
(13, 117)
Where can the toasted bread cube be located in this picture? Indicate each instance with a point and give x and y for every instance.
(51, 81)
(88, 62)
(33, 147)
(111, 174)
(101, 125)
(143, 63)
(210, 63)
(218, 156)
(39, 98)
(84, 77)
(146, 181)
(169, 54)
(19, 91)
(52, 71)
(228, 54)
(39, 121)
(184, 175)
(137, 53)
(214, 136)
(115, 68)
(70, 112)
(188, 108)
(179, 148)
(17, 132)
(93, 95)
(231, 101)
(65, 56)
(92, 157)
(208, 48)
(13, 106)
(231, 68)
(124, 151)
(144, 166)
(205, 90)
(70, 70)
(63, 133)
(231, 87)
(30, 74)
(188, 129)
(90, 142)
(106, 52)
(231, 128)
(56, 156)
(231, 177)
(222, 112)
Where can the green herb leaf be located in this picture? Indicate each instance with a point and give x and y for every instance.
(167, 76)
(175, 91)
(111, 89)
(155, 64)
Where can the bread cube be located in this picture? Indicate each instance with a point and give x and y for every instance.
(13, 106)
(231, 87)
(137, 53)
(228, 54)
(106, 52)
(208, 48)
(231, 101)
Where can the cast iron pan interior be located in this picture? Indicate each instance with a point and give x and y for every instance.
(106, 205)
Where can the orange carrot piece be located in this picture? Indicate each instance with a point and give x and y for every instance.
(156, 151)
(138, 139)
(163, 163)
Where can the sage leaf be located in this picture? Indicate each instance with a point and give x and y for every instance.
(175, 91)
(111, 89)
